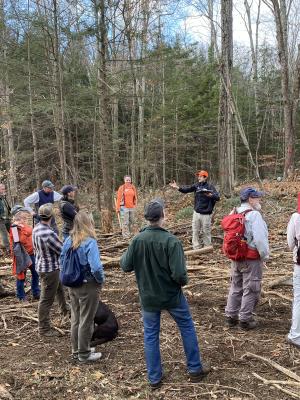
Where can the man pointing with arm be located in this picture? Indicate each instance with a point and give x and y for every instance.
(206, 197)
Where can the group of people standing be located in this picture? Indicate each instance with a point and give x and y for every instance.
(157, 259)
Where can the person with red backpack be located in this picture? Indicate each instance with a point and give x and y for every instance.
(246, 244)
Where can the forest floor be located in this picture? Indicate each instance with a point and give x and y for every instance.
(242, 362)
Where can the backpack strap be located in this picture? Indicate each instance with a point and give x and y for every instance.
(246, 211)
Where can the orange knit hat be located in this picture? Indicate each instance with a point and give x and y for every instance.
(202, 173)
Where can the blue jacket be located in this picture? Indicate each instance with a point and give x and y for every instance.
(89, 257)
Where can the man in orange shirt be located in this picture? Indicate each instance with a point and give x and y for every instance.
(127, 199)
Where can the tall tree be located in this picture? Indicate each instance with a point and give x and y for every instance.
(5, 92)
(105, 134)
(225, 136)
(289, 79)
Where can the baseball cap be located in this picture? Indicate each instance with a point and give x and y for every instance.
(46, 211)
(250, 192)
(202, 173)
(68, 188)
(47, 184)
(19, 208)
(154, 210)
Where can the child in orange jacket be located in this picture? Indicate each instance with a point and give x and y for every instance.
(21, 232)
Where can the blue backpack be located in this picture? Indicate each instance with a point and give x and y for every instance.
(71, 273)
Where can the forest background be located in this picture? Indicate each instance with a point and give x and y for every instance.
(91, 90)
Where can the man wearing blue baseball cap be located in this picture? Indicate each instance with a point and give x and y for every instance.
(43, 196)
(246, 276)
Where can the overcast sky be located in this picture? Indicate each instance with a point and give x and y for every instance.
(197, 25)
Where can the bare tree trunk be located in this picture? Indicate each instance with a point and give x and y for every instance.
(32, 127)
(58, 90)
(140, 85)
(163, 126)
(132, 137)
(105, 136)
(53, 57)
(225, 136)
(5, 110)
(211, 52)
(281, 20)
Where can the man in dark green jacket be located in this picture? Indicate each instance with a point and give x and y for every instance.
(156, 256)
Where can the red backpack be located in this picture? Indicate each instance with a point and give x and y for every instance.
(235, 244)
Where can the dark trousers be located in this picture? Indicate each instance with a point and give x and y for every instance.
(50, 287)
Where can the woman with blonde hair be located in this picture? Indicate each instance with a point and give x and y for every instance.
(84, 299)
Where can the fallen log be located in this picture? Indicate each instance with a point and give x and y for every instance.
(275, 384)
(107, 261)
(272, 292)
(282, 281)
(273, 364)
(207, 249)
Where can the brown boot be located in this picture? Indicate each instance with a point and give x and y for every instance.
(196, 377)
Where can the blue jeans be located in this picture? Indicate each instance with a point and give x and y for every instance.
(35, 289)
(184, 321)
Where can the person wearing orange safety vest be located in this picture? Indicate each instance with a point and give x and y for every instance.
(127, 199)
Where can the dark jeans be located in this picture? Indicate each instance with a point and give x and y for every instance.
(184, 321)
(50, 287)
(35, 289)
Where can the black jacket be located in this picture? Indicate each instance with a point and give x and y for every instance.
(68, 210)
(203, 204)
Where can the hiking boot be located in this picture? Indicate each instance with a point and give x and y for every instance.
(248, 325)
(36, 297)
(93, 357)
(289, 341)
(51, 333)
(231, 322)
(156, 385)
(198, 376)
